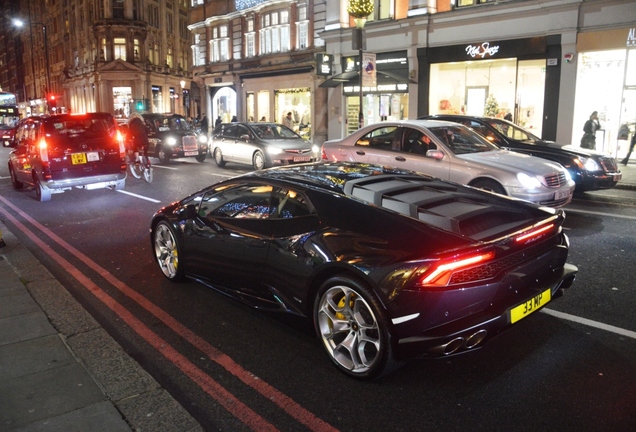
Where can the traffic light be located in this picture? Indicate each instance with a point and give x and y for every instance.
(52, 100)
(140, 105)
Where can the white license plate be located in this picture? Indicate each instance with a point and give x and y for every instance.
(302, 158)
(617, 177)
(92, 156)
(561, 195)
(191, 153)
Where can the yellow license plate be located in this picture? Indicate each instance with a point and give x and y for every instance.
(78, 158)
(525, 309)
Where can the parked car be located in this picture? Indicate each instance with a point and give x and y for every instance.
(59, 152)
(388, 264)
(457, 153)
(261, 145)
(171, 136)
(7, 132)
(590, 170)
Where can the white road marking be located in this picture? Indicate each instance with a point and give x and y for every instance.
(165, 167)
(139, 196)
(590, 323)
(600, 214)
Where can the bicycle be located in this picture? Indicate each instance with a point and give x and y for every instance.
(139, 166)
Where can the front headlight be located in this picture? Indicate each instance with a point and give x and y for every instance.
(171, 141)
(274, 150)
(203, 139)
(590, 164)
(528, 182)
(315, 149)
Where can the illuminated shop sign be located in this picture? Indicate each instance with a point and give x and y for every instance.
(631, 38)
(482, 51)
(324, 64)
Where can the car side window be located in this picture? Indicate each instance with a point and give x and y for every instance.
(241, 131)
(287, 204)
(230, 131)
(240, 202)
(416, 142)
(381, 138)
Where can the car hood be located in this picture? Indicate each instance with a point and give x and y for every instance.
(513, 162)
(567, 148)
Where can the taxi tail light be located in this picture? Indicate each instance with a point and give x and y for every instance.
(323, 154)
(44, 153)
(439, 274)
(119, 137)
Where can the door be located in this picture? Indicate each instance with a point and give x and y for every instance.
(377, 146)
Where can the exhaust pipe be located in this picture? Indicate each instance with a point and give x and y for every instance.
(453, 346)
(475, 339)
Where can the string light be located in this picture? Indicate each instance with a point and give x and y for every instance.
(360, 8)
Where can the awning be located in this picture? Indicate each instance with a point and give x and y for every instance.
(383, 77)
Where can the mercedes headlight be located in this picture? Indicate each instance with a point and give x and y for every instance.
(528, 182)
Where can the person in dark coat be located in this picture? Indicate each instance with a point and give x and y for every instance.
(589, 131)
(204, 124)
(137, 136)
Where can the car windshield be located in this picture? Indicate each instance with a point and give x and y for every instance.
(512, 131)
(273, 131)
(462, 140)
(172, 124)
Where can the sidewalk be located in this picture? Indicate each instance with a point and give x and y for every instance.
(629, 176)
(59, 370)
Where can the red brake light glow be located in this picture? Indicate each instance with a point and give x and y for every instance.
(42, 146)
(534, 234)
(442, 273)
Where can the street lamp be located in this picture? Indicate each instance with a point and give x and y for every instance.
(19, 23)
(359, 10)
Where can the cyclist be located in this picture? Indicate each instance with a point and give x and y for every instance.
(137, 137)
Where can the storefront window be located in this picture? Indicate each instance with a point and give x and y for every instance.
(377, 108)
(121, 101)
(157, 106)
(490, 87)
(249, 105)
(599, 87)
(263, 106)
(298, 102)
(224, 104)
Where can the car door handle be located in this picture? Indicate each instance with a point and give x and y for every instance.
(400, 158)
(360, 152)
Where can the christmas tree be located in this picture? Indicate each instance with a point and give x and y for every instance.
(492, 107)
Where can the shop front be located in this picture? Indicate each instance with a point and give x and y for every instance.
(271, 97)
(606, 83)
(388, 99)
(494, 78)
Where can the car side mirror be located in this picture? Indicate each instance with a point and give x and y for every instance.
(435, 154)
(245, 137)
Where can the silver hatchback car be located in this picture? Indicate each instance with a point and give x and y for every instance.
(261, 145)
(451, 151)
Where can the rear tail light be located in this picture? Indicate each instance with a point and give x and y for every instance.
(120, 141)
(535, 234)
(42, 147)
(323, 154)
(439, 274)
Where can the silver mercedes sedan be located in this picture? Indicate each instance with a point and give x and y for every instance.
(451, 151)
(261, 145)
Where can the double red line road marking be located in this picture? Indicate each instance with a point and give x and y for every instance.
(224, 397)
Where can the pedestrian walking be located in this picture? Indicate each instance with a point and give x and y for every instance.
(631, 147)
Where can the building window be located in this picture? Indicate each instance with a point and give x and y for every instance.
(302, 26)
(153, 15)
(169, 58)
(169, 22)
(219, 45)
(119, 48)
(154, 53)
(183, 28)
(118, 8)
(382, 10)
(198, 50)
(274, 32)
(137, 52)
